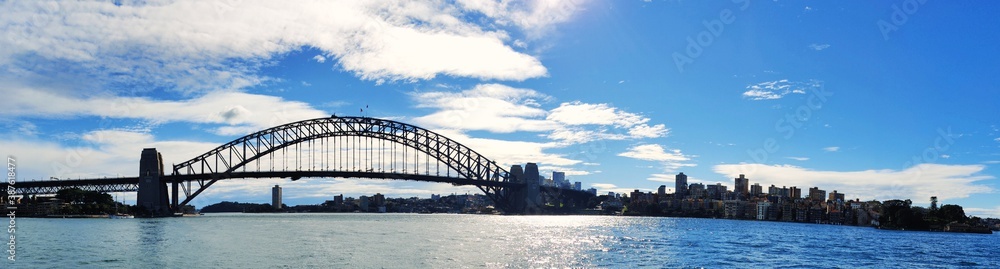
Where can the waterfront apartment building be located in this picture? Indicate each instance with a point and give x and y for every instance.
(363, 203)
(779, 192)
(835, 196)
(756, 190)
(742, 186)
(681, 185)
(276, 197)
(817, 194)
(697, 190)
(794, 192)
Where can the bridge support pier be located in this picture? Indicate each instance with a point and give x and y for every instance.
(532, 203)
(173, 196)
(525, 199)
(152, 195)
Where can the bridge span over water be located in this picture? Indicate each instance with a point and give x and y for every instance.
(346, 147)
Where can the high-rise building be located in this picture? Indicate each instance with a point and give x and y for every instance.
(835, 196)
(756, 189)
(696, 190)
(559, 179)
(681, 185)
(578, 186)
(717, 191)
(339, 199)
(742, 186)
(276, 197)
(816, 194)
(517, 173)
(762, 210)
(379, 201)
(794, 192)
(773, 191)
(531, 188)
(363, 203)
(662, 190)
(712, 191)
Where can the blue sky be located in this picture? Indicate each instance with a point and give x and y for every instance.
(878, 100)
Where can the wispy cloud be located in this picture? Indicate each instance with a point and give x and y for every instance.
(799, 158)
(818, 47)
(983, 212)
(236, 111)
(670, 160)
(654, 152)
(504, 109)
(205, 45)
(832, 149)
(608, 187)
(777, 89)
(917, 182)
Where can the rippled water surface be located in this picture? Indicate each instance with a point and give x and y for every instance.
(449, 241)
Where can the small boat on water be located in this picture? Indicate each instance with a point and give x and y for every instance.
(120, 216)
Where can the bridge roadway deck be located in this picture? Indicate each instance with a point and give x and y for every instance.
(131, 184)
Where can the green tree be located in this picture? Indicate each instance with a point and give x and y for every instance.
(949, 213)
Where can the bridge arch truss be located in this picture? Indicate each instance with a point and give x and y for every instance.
(241, 157)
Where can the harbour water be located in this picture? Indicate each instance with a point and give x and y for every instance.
(477, 241)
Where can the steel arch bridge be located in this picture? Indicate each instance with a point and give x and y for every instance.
(347, 147)
(365, 157)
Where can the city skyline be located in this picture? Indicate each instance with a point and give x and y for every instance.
(616, 95)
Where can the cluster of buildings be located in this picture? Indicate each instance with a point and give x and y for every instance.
(558, 180)
(378, 203)
(748, 201)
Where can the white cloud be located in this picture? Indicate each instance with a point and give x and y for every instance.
(492, 107)
(818, 47)
(508, 153)
(646, 131)
(576, 116)
(777, 89)
(654, 152)
(671, 160)
(662, 178)
(604, 188)
(240, 111)
(997, 139)
(102, 153)
(319, 58)
(207, 45)
(916, 183)
(799, 158)
(983, 212)
(578, 113)
(503, 109)
(832, 149)
(535, 17)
